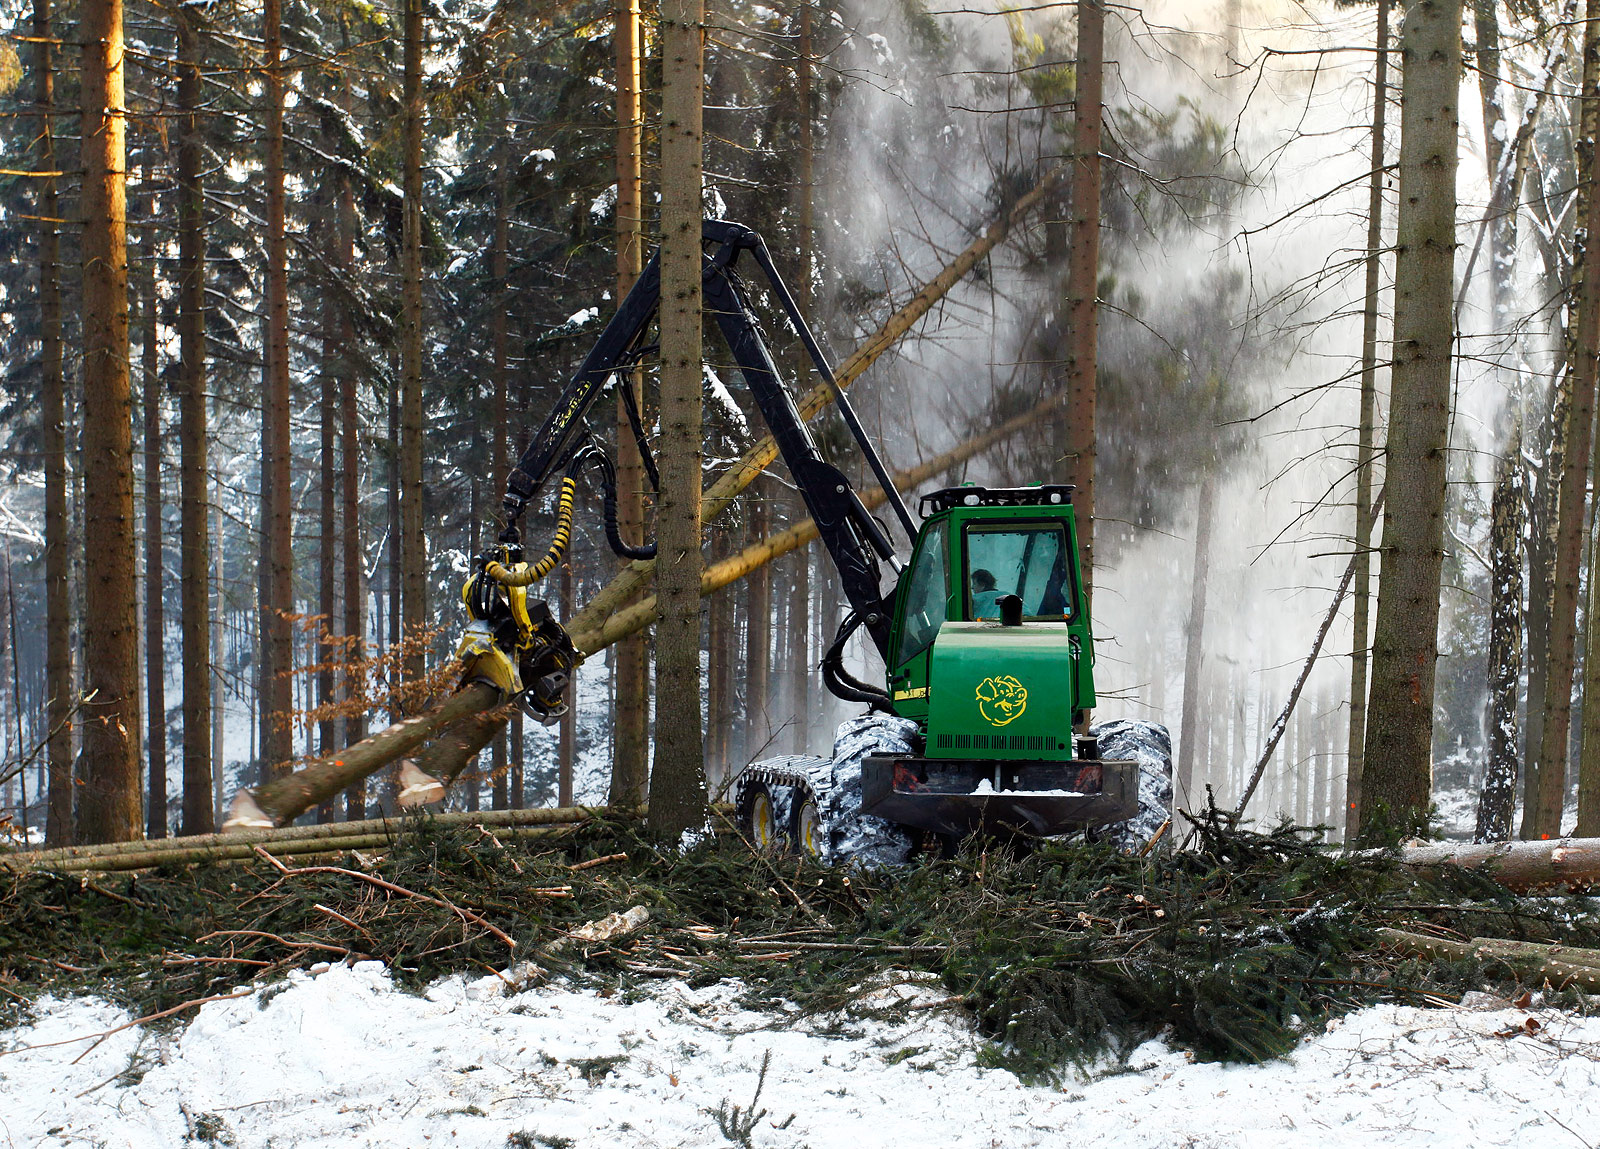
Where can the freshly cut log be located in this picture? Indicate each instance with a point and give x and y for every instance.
(284, 799)
(1526, 867)
(1526, 958)
(376, 829)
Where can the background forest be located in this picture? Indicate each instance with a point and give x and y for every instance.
(366, 246)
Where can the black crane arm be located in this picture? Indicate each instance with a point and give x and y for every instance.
(855, 541)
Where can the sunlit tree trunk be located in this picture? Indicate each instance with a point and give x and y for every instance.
(53, 417)
(630, 744)
(277, 556)
(678, 781)
(1585, 359)
(1398, 771)
(109, 806)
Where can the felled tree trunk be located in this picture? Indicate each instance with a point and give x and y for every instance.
(1560, 965)
(284, 799)
(1524, 867)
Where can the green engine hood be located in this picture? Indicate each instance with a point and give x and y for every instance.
(1001, 691)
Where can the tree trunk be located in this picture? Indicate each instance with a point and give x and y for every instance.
(1541, 815)
(754, 717)
(567, 752)
(1365, 434)
(1194, 645)
(1497, 799)
(194, 494)
(277, 555)
(155, 646)
(53, 416)
(499, 270)
(798, 646)
(630, 761)
(413, 543)
(1398, 770)
(1083, 271)
(327, 653)
(286, 798)
(518, 797)
(353, 560)
(678, 781)
(109, 805)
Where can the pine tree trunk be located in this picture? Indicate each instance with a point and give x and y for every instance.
(1497, 799)
(1365, 435)
(1586, 335)
(109, 805)
(277, 556)
(1541, 817)
(499, 271)
(353, 560)
(754, 718)
(1398, 766)
(194, 494)
(1083, 270)
(798, 645)
(630, 745)
(413, 543)
(155, 646)
(53, 416)
(1184, 793)
(678, 781)
(567, 752)
(327, 509)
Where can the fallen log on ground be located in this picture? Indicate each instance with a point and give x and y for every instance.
(285, 799)
(199, 846)
(1526, 867)
(1549, 963)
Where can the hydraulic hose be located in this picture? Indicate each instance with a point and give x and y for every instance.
(558, 545)
(840, 682)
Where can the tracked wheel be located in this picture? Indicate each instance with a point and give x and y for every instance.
(758, 820)
(805, 826)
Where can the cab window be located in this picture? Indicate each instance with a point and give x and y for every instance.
(1028, 560)
(927, 592)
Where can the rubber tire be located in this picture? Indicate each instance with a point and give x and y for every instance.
(757, 821)
(805, 826)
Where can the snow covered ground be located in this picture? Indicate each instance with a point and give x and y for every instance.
(342, 1058)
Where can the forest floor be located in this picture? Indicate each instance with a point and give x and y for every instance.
(339, 1056)
(588, 987)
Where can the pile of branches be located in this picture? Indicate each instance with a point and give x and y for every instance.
(1060, 952)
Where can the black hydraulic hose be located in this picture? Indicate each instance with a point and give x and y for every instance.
(840, 682)
(608, 490)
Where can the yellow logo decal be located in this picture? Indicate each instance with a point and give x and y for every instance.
(1001, 699)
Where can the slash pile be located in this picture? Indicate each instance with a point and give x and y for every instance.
(1060, 952)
